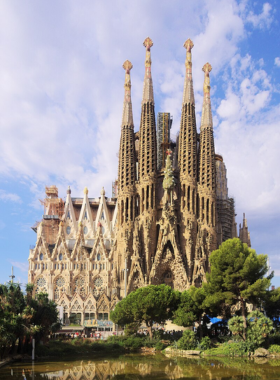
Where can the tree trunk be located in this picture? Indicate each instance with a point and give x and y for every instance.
(243, 310)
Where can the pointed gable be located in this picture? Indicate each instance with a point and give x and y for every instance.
(103, 215)
(86, 216)
(70, 221)
(103, 304)
(61, 246)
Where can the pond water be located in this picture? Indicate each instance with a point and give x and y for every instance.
(135, 366)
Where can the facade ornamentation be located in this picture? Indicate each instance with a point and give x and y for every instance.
(170, 211)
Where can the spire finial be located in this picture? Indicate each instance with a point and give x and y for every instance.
(85, 190)
(127, 83)
(188, 96)
(206, 118)
(148, 93)
(127, 119)
(148, 43)
(127, 66)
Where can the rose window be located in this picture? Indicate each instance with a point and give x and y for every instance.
(98, 282)
(41, 282)
(60, 282)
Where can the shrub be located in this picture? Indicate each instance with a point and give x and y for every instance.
(133, 342)
(205, 343)
(115, 339)
(228, 349)
(160, 346)
(274, 349)
(188, 341)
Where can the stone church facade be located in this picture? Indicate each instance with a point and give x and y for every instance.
(171, 210)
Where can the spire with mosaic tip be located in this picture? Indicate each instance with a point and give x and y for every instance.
(207, 170)
(188, 96)
(148, 92)
(147, 140)
(127, 118)
(206, 118)
(127, 169)
(187, 152)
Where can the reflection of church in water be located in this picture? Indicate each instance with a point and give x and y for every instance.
(170, 210)
(147, 367)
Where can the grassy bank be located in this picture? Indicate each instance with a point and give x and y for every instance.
(114, 344)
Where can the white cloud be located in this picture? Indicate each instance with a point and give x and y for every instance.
(264, 19)
(4, 196)
(277, 61)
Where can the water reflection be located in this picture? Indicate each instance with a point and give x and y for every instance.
(146, 367)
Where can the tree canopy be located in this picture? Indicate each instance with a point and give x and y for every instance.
(153, 303)
(23, 317)
(190, 308)
(237, 277)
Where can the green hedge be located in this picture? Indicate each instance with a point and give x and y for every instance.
(274, 349)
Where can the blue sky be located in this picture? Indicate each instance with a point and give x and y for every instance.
(61, 99)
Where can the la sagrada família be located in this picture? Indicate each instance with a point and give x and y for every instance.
(170, 208)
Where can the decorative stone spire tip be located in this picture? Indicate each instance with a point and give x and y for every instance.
(206, 118)
(188, 95)
(85, 190)
(188, 45)
(148, 92)
(148, 43)
(127, 66)
(207, 68)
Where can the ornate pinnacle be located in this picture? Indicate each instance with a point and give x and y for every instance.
(148, 43)
(127, 66)
(206, 118)
(207, 68)
(188, 45)
(188, 96)
(127, 118)
(85, 190)
(148, 95)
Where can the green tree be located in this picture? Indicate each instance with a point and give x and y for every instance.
(258, 328)
(271, 305)
(188, 341)
(153, 303)
(237, 277)
(23, 317)
(191, 308)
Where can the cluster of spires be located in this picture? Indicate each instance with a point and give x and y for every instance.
(148, 95)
